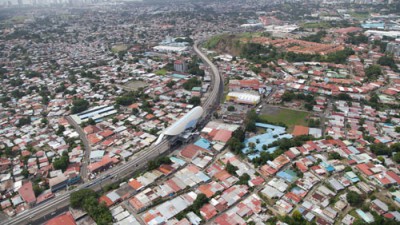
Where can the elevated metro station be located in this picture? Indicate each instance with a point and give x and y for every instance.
(187, 122)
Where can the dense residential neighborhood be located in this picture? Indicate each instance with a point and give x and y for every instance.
(303, 127)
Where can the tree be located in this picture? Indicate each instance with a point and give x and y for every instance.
(396, 157)
(115, 120)
(191, 83)
(60, 130)
(387, 61)
(79, 105)
(25, 173)
(354, 199)
(373, 72)
(195, 100)
(334, 155)
(244, 179)
(231, 169)
(288, 96)
(62, 162)
(231, 108)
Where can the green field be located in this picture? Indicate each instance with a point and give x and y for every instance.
(360, 15)
(161, 72)
(119, 48)
(286, 116)
(323, 25)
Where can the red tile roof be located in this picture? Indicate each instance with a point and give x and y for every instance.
(27, 193)
(65, 219)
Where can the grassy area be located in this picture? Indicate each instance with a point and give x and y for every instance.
(323, 25)
(213, 42)
(161, 72)
(286, 116)
(360, 15)
(119, 48)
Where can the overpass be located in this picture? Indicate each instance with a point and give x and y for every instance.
(139, 161)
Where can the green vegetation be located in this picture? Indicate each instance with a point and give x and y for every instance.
(161, 72)
(313, 25)
(119, 48)
(195, 100)
(244, 179)
(231, 169)
(338, 57)
(79, 105)
(357, 39)
(191, 83)
(283, 145)
(286, 116)
(316, 37)
(359, 15)
(373, 72)
(354, 199)
(200, 200)
(154, 164)
(213, 41)
(62, 162)
(193, 67)
(86, 199)
(24, 121)
(388, 61)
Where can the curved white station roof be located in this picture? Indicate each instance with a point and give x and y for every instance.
(188, 120)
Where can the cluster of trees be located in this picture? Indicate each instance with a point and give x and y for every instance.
(338, 57)
(79, 105)
(282, 145)
(200, 200)
(236, 142)
(309, 99)
(86, 199)
(62, 162)
(90, 75)
(354, 199)
(388, 61)
(373, 72)
(195, 100)
(382, 149)
(231, 169)
(193, 67)
(258, 53)
(191, 83)
(314, 123)
(32, 74)
(24, 121)
(316, 37)
(154, 164)
(357, 39)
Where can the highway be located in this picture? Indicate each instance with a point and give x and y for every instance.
(112, 175)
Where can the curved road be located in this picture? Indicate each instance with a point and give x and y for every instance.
(140, 161)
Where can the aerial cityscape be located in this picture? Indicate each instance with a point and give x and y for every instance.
(180, 112)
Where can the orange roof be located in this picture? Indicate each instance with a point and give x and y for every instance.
(222, 175)
(65, 219)
(106, 160)
(205, 189)
(365, 169)
(134, 106)
(106, 200)
(135, 184)
(27, 193)
(106, 133)
(300, 130)
(93, 139)
(190, 151)
(222, 136)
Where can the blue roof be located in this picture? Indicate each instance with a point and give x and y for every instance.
(287, 176)
(203, 143)
(273, 133)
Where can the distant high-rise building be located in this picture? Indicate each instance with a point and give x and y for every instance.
(180, 66)
(393, 48)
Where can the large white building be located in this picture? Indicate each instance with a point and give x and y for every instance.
(189, 120)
